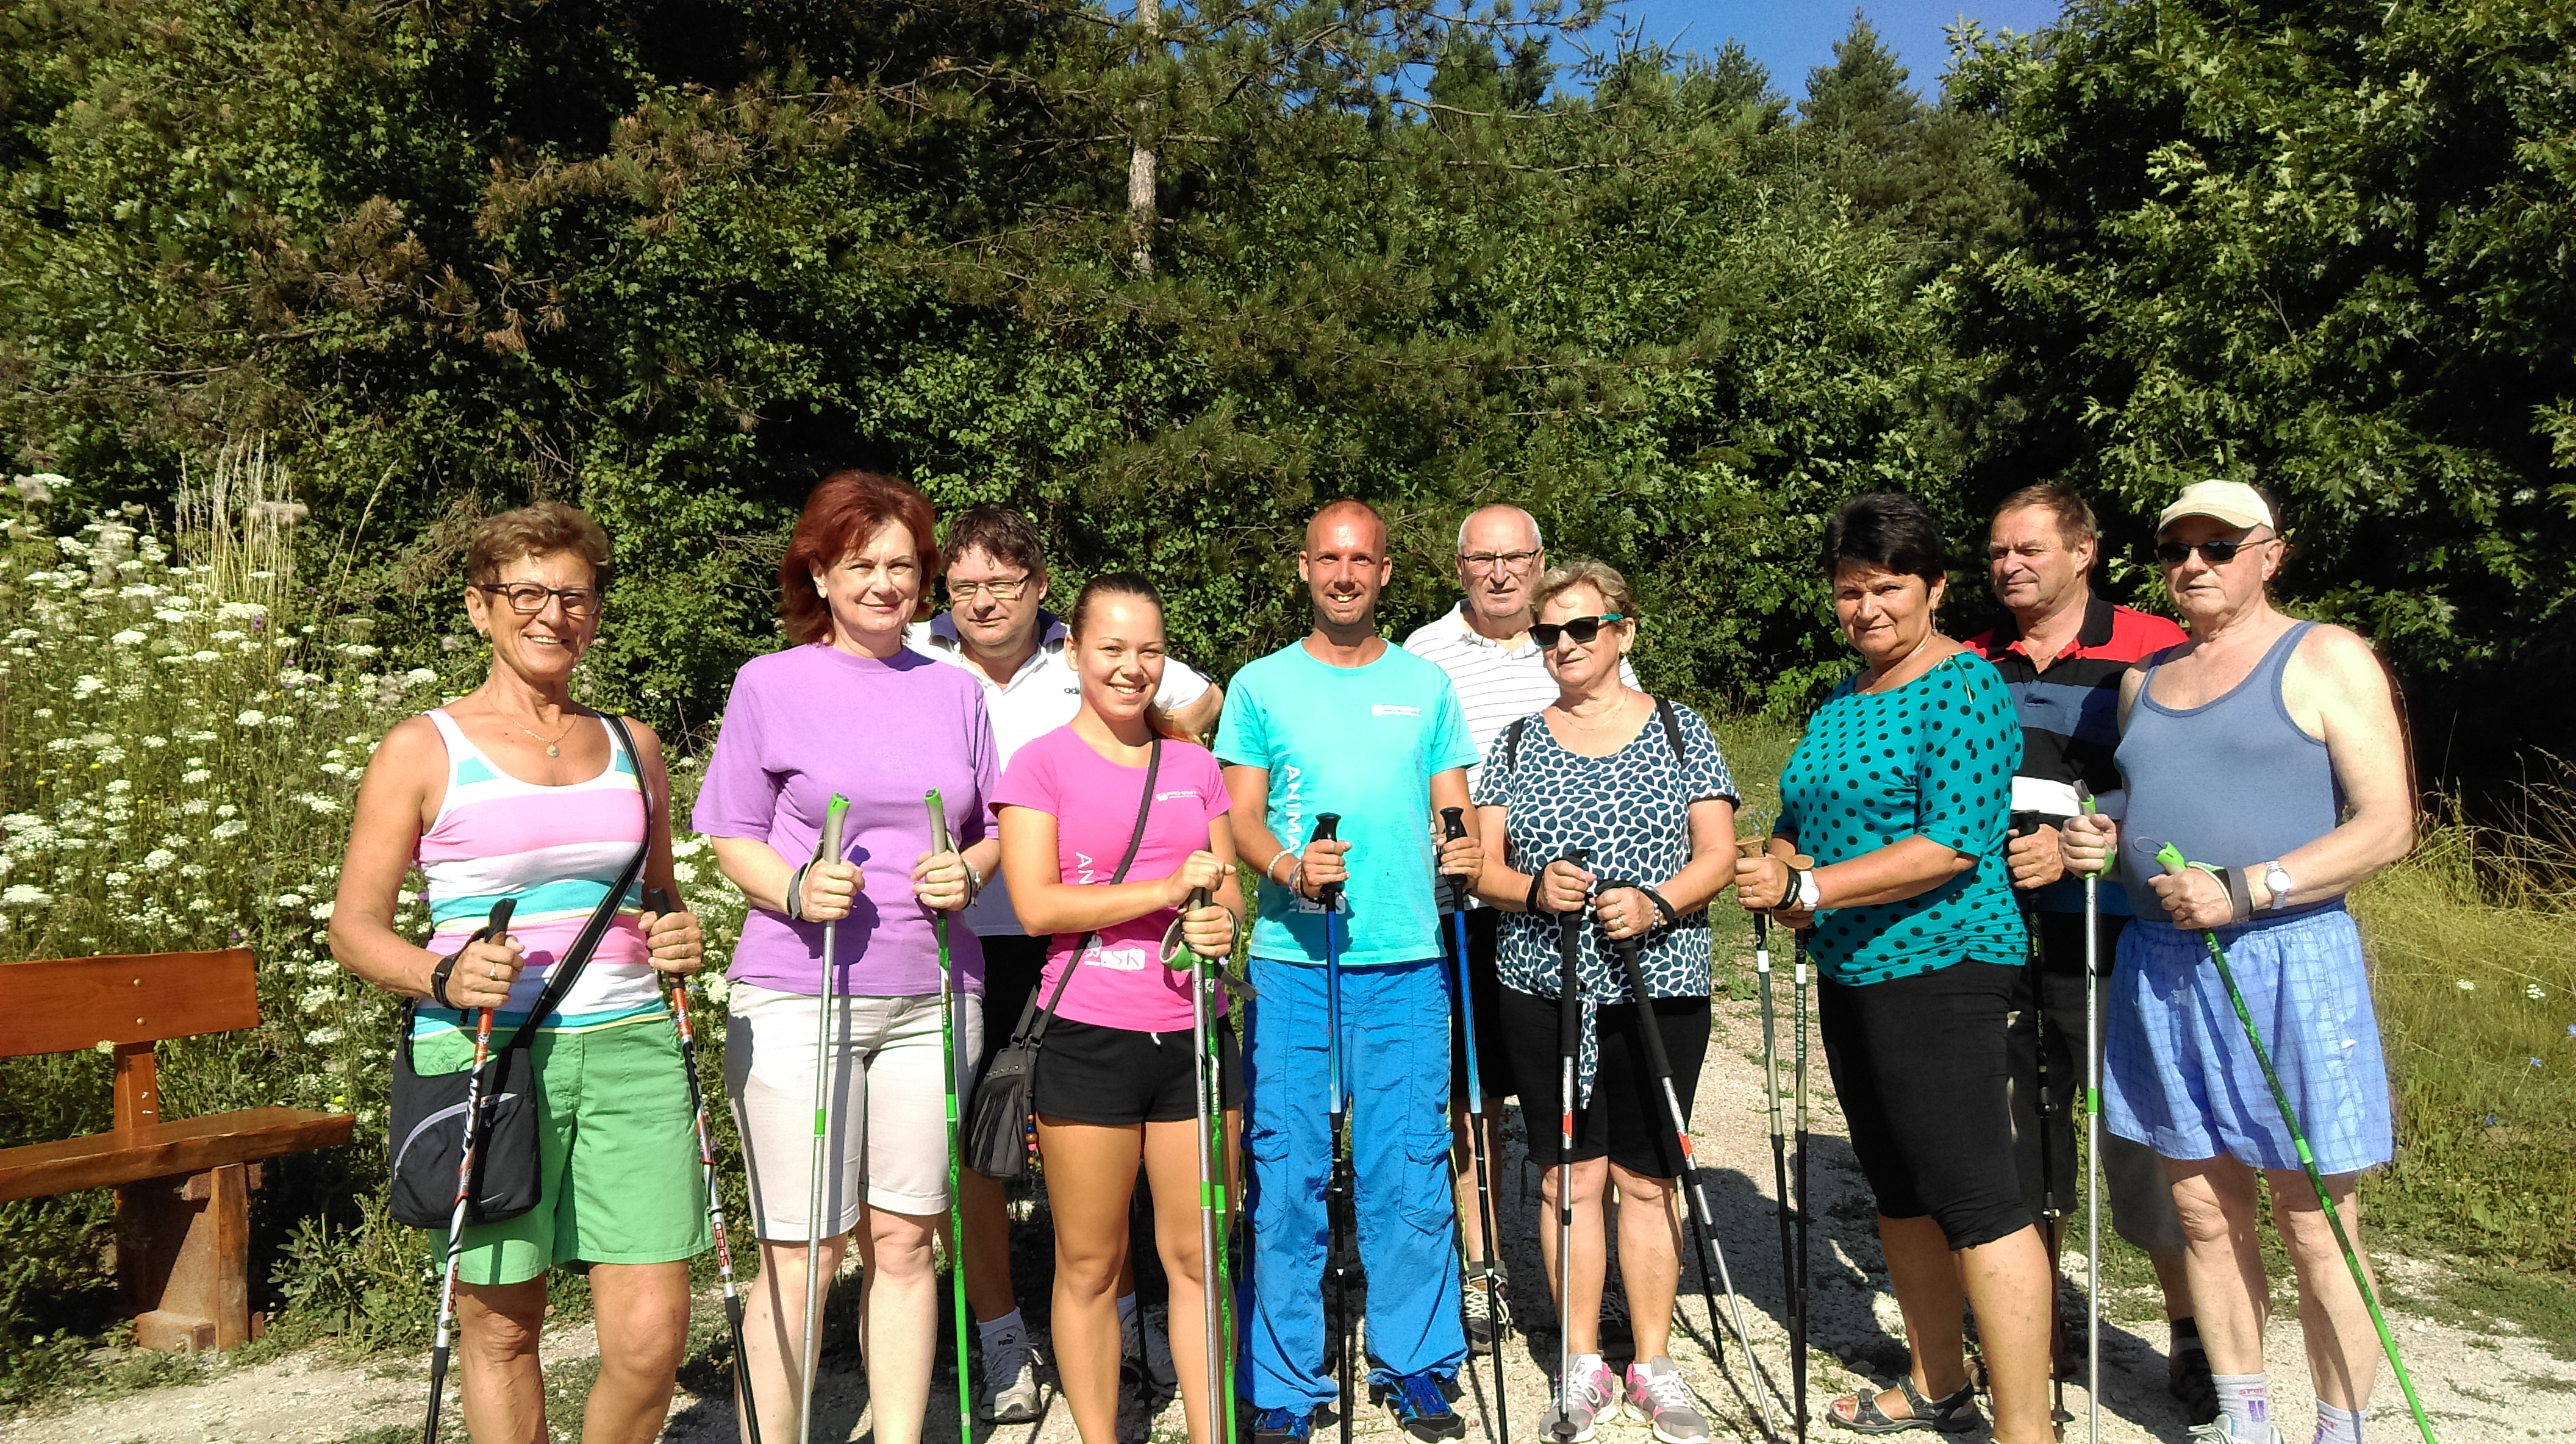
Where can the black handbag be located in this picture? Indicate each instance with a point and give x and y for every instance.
(426, 1123)
(997, 1140)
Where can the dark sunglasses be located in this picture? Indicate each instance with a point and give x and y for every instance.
(1579, 630)
(2216, 553)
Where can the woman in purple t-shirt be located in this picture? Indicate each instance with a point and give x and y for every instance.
(849, 711)
(1116, 1079)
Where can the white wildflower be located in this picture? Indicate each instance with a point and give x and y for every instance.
(203, 656)
(117, 879)
(315, 999)
(251, 717)
(86, 685)
(120, 785)
(240, 611)
(228, 635)
(2464, 985)
(127, 638)
(323, 1038)
(290, 899)
(156, 743)
(420, 676)
(158, 858)
(226, 831)
(193, 807)
(226, 810)
(37, 488)
(23, 894)
(195, 775)
(321, 911)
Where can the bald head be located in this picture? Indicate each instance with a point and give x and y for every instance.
(1501, 527)
(1345, 566)
(1348, 523)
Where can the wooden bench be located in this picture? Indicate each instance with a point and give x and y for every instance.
(182, 1185)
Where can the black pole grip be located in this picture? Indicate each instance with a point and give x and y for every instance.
(1569, 978)
(1326, 824)
(1453, 825)
(657, 900)
(497, 923)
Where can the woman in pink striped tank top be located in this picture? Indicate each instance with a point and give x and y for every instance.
(516, 791)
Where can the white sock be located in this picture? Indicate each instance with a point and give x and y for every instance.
(1587, 1365)
(999, 1329)
(2245, 1402)
(2337, 1426)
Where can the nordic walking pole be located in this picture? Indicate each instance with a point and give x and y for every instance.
(956, 1143)
(496, 925)
(1337, 1193)
(1207, 1083)
(1805, 1216)
(1703, 1217)
(1792, 1305)
(2092, 1139)
(827, 848)
(1569, 1044)
(1453, 824)
(2170, 858)
(658, 901)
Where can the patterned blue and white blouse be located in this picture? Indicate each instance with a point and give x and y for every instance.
(1630, 813)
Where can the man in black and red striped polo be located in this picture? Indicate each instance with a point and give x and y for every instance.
(2061, 651)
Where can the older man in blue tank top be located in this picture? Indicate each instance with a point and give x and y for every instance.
(2271, 748)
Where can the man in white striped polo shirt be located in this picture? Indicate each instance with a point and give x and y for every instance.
(1483, 644)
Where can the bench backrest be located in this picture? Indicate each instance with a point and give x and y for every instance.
(62, 1005)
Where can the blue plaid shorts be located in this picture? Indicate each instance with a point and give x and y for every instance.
(2180, 1077)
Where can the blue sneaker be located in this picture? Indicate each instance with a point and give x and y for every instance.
(1421, 1407)
(1283, 1426)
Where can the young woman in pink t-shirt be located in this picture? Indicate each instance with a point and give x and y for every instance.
(1116, 1075)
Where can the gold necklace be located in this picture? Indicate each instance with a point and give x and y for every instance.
(552, 750)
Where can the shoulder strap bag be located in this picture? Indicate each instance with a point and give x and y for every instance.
(998, 1137)
(426, 1123)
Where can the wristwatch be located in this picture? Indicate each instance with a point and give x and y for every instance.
(2276, 881)
(1810, 896)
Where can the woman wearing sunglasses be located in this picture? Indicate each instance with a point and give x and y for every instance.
(1901, 792)
(1640, 786)
(2271, 750)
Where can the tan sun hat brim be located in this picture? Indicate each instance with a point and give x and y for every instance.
(2232, 502)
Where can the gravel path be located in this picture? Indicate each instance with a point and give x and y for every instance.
(2485, 1385)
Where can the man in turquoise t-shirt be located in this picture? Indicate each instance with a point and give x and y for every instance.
(1340, 722)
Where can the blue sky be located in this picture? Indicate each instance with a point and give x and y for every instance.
(1791, 35)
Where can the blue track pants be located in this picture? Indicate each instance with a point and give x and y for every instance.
(1395, 1063)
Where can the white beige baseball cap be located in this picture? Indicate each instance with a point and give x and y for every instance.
(2232, 502)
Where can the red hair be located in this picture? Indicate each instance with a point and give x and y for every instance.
(844, 510)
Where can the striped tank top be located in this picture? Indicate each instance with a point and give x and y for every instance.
(557, 850)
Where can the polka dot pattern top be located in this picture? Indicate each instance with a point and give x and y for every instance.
(1934, 758)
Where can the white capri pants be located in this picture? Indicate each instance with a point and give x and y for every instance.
(889, 1125)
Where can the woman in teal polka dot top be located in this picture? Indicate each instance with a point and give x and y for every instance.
(1901, 792)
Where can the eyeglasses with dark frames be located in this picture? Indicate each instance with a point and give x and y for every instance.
(2216, 553)
(1578, 630)
(528, 598)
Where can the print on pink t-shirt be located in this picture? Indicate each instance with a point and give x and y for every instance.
(1122, 982)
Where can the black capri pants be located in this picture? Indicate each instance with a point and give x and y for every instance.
(1626, 1121)
(1922, 1066)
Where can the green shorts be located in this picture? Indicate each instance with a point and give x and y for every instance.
(617, 1152)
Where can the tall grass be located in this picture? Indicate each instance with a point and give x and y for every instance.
(179, 739)
(2472, 943)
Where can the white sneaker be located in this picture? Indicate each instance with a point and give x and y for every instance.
(1010, 1380)
(2221, 1430)
(1142, 1340)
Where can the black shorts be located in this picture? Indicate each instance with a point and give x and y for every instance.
(1117, 1077)
(1493, 1060)
(1921, 1065)
(1627, 1120)
(2046, 1153)
(1011, 967)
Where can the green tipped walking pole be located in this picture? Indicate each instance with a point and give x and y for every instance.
(827, 848)
(2092, 1135)
(956, 1145)
(2170, 858)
